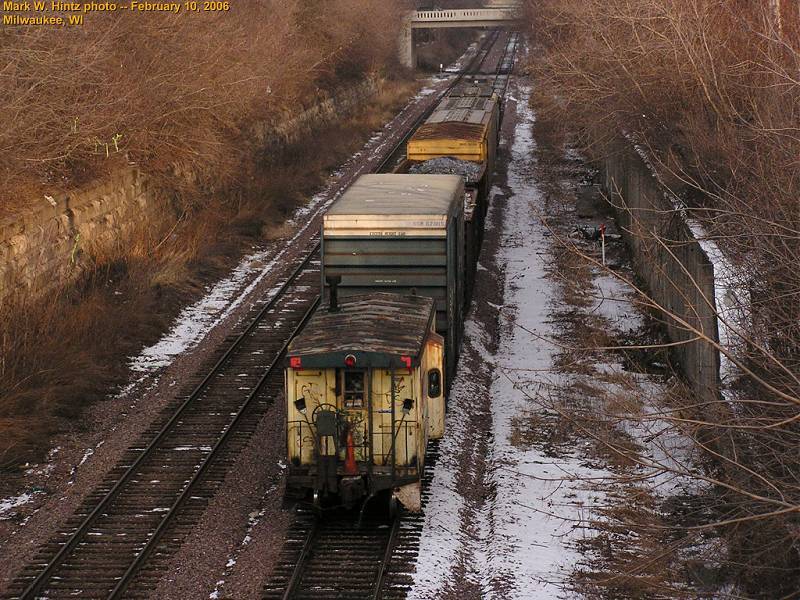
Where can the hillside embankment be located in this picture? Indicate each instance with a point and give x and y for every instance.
(706, 93)
(173, 89)
(146, 155)
(142, 256)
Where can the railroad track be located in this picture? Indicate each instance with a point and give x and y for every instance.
(398, 579)
(398, 153)
(335, 558)
(131, 520)
(119, 542)
(338, 557)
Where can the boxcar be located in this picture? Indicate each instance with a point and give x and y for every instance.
(402, 234)
(365, 392)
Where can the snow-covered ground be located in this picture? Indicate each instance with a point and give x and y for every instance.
(506, 516)
(6, 504)
(522, 548)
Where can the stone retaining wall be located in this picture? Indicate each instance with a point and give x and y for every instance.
(42, 250)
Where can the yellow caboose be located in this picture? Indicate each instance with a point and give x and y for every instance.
(365, 393)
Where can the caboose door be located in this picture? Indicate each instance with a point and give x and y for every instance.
(353, 399)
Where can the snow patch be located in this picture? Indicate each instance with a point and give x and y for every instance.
(732, 302)
(195, 321)
(7, 504)
(613, 302)
(524, 543)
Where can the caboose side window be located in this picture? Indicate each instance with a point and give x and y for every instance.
(354, 389)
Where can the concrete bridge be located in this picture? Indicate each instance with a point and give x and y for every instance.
(498, 16)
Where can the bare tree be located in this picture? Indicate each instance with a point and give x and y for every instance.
(710, 90)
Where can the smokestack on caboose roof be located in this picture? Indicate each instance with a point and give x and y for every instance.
(333, 283)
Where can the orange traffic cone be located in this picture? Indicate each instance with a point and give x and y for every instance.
(350, 466)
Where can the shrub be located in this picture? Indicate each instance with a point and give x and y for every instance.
(167, 89)
(710, 89)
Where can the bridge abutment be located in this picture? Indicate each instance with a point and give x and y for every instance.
(408, 52)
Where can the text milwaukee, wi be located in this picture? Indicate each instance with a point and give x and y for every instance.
(75, 7)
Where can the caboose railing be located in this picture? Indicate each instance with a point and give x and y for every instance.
(303, 432)
(399, 442)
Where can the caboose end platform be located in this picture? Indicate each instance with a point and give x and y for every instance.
(365, 392)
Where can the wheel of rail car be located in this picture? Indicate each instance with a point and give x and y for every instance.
(326, 406)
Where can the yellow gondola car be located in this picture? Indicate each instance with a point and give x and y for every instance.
(365, 393)
(461, 127)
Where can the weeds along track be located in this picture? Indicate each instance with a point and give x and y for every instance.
(119, 542)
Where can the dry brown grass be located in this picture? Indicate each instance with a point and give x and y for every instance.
(60, 355)
(633, 554)
(710, 89)
(172, 89)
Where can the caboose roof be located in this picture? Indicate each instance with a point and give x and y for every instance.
(398, 195)
(376, 328)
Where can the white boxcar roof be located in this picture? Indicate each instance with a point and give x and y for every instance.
(398, 196)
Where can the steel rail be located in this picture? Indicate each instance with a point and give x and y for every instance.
(387, 557)
(151, 544)
(36, 585)
(297, 572)
(300, 567)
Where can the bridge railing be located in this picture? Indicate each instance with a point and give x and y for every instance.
(467, 14)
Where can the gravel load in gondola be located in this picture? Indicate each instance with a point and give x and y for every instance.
(447, 165)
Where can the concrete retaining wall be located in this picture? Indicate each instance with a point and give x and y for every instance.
(678, 274)
(45, 248)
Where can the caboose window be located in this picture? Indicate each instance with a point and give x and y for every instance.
(354, 389)
(434, 383)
